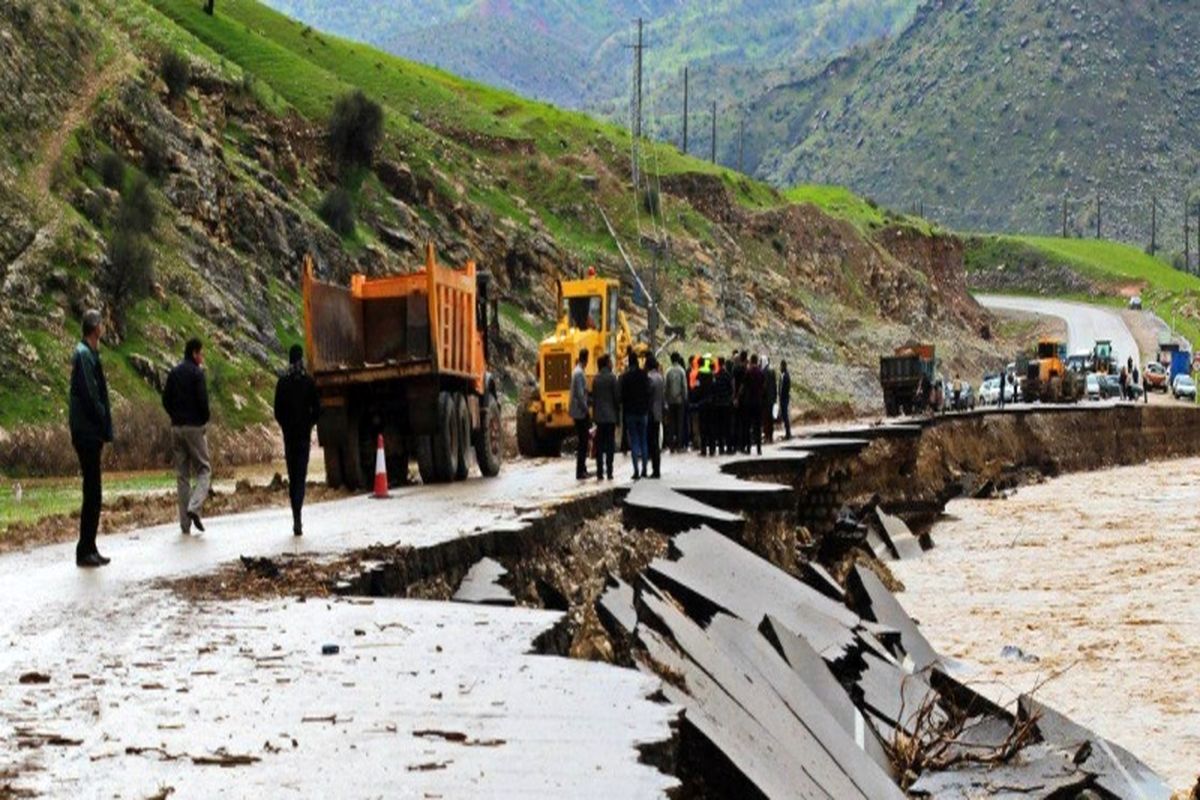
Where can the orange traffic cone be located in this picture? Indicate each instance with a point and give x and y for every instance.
(381, 478)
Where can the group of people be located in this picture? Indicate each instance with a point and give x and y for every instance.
(185, 400)
(714, 405)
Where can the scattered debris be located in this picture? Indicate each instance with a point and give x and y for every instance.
(330, 649)
(33, 678)
(1014, 653)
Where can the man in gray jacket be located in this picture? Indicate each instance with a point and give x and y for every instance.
(676, 392)
(578, 409)
(606, 405)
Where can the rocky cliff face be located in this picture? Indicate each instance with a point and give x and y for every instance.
(236, 172)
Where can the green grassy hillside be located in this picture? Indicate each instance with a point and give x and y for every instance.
(235, 170)
(988, 114)
(1094, 270)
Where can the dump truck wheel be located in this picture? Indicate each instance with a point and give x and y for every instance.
(445, 440)
(1055, 389)
(352, 455)
(527, 438)
(425, 459)
(333, 466)
(462, 422)
(489, 446)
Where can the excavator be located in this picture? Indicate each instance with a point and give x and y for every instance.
(590, 318)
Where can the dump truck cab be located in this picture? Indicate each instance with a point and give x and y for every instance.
(405, 357)
(589, 318)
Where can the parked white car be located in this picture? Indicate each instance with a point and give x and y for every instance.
(1183, 387)
(1094, 391)
(989, 392)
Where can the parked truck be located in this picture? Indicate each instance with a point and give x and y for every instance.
(405, 357)
(906, 377)
(590, 319)
(1181, 364)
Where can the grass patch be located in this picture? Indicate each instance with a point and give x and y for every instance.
(49, 497)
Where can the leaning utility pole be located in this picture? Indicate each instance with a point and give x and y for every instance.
(685, 110)
(714, 132)
(1097, 216)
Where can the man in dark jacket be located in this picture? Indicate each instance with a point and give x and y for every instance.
(738, 438)
(186, 401)
(722, 409)
(701, 399)
(770, 395)
(752, 403)
(785, 399)
(635, 403)
(606, 410)
(297, 408)
(91, 428)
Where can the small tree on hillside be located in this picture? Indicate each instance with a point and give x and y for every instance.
(128, 276)
(210, 6)
(176, 73)
(355, 130)
(137, 212)
(337, 209)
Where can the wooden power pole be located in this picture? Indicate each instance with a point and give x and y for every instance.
(1064, 217)
(685, 110)
(1187, 239)
(1098, 210)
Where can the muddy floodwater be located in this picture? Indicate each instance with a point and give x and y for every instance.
(1094, 578)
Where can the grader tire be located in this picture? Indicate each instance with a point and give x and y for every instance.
(462, 424)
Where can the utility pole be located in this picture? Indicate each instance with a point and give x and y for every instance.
(1187, 239)
(714, 132)
(637, 103)
(1064, 217)
(685, 110)
(1154, 225)
(1097, 216)
(742, 145)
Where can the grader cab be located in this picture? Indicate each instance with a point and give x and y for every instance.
(589, 319)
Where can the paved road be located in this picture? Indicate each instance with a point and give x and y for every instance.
(1085, 323)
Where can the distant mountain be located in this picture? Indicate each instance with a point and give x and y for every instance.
(987, 114)
(575, 53)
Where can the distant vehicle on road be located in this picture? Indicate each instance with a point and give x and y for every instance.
(1110, 387)
(905, 376)
(1181, 364)
(989, 391)
(1155, 377)
(1135, 303)
(1078, 362)
(966, 397)
(1094, 386)
(1183, 387)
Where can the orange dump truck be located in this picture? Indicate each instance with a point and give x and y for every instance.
(404, 356)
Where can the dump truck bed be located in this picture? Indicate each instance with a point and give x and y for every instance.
(394, 327)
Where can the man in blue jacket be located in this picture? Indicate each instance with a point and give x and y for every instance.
(91, 428)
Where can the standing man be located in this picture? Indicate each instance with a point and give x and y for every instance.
(606, 408)
(91, 428)
(635, 403)
(785, 399)
(297, 408)
(753, 385)
(578, 409)
(721, 408)
(676, 393)
(770, 397)
(703, 399)
(657, 406)
(1003, 389)
(186, 401)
